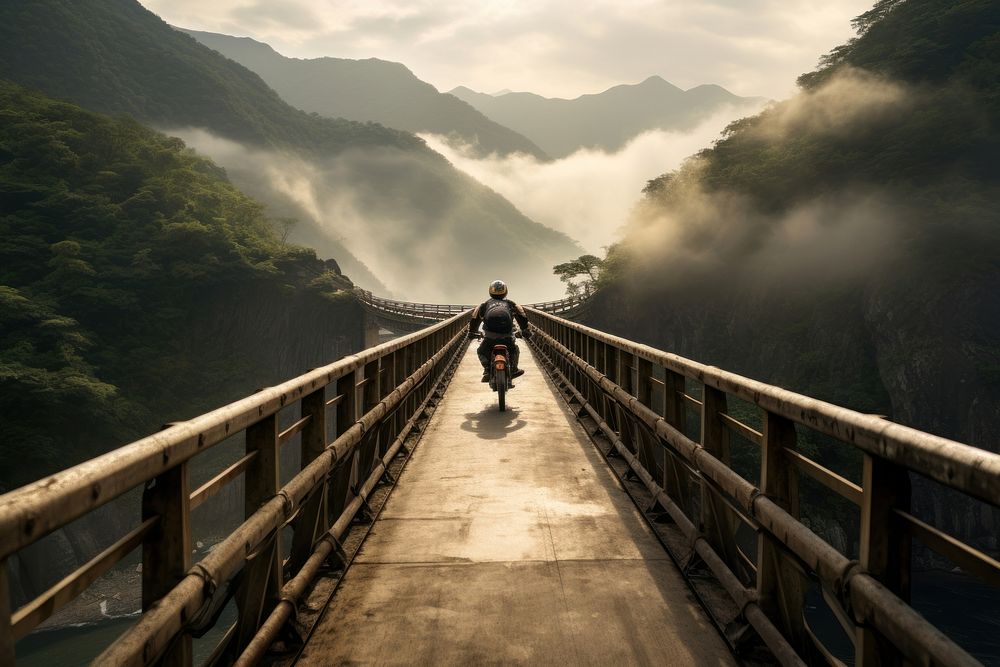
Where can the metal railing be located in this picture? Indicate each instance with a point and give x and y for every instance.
(367, 403)
(568, 307)
(649, 403)
(420, 312)
(431, 312)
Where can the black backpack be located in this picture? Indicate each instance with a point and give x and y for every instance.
(497, 317)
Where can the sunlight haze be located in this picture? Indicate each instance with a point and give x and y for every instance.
(556, 49)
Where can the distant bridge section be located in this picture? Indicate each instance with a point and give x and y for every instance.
(407, 317)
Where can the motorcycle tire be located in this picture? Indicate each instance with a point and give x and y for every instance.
(501, 380)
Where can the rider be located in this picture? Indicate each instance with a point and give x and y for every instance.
(497, 316)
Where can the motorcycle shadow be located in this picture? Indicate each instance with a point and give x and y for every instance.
(491, 424)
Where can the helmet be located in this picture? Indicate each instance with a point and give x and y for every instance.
(498, 289)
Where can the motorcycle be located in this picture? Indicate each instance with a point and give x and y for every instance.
(500, 374)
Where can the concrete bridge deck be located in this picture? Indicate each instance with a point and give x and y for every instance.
(508, 540)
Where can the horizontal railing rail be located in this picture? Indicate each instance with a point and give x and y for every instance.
(650, 404)
(368, 401)
(420, 312)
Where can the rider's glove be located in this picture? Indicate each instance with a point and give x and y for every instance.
(525, 334)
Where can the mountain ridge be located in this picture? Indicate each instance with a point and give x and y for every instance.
(377, 90)
(606, 120)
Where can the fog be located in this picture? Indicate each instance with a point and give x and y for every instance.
(688, 231)
(399, 223)
(589, 194)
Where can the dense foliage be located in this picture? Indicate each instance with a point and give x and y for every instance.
(944, 56)
(112, 238)
(580, 275)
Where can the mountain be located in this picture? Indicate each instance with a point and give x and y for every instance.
(360, 188)
(845, 243)
(369, 90)
(138, 285)
(605, 120)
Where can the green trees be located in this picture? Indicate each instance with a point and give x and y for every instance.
(111, 237)
(580, 275)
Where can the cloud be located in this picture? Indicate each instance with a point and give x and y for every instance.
(722, 236)
(589, 194)
(852, 97)
(553, 47)
(265, 14)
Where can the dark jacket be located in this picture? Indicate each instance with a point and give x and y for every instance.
(516, 311)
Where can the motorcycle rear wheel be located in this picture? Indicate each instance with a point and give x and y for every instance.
(501, 384)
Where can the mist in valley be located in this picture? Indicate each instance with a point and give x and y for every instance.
(392, 223)
(589, 194)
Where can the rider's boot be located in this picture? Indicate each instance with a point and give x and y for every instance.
(517, 373)
(486, 376)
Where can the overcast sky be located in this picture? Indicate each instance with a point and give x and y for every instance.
(556, 48)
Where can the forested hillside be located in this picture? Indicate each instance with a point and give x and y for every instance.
(137, 285)
(360, 187)
(370, 90)
(846, 243)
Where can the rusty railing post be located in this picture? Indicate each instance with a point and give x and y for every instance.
(313, 520)
(674, 410)
(675, 478)
(347, 408)
(885, 549)
(166, 549)
(395, 376)
(370, 397)
(609, 408)
(346, 416)
(643, 381)
(263, 577)
(717, 519)
(643, 391)
(781, 588)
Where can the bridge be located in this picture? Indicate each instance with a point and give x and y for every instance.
(633, 507)
(405, 317)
